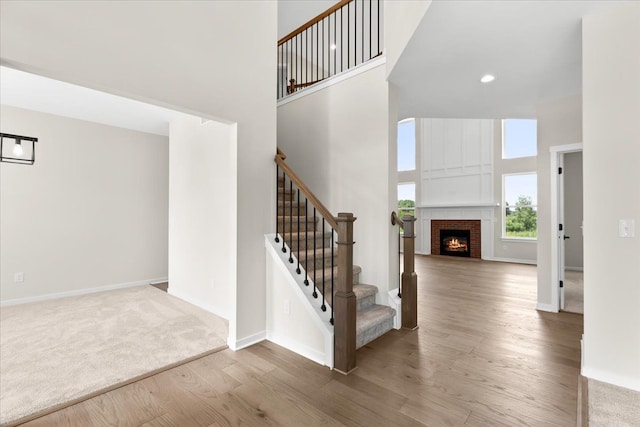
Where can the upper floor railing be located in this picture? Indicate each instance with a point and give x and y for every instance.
(342, 37)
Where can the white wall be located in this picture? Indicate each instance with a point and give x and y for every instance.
(202, 212)
(456, 176)
(91, 211)
(215, 59)
(338, 140)
(509, 249)
(573, 207)
(611, 105)
(559, 123)
(402, 18)
(293, 13)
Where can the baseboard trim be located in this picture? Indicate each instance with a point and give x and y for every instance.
(193, 301)
(78, 292)
(546, 307)
(247, 341)
(611, 378)
(303, 350)
(574, 268)
(511, 260)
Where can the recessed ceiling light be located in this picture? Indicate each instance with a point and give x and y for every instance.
(487, 78)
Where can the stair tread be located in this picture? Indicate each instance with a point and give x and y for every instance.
(363, 290)
(327, 272)
(310, 218)
(319, 251)
(373, 316)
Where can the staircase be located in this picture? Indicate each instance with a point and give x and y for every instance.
(317, 255)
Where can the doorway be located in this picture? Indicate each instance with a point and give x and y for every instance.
(566, 220)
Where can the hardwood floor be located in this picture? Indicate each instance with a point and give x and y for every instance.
(482, 356)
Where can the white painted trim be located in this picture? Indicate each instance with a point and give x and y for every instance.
(519, 239)
(330, 81)
(296, 347)
(198, 303)
(546, 307)
(460, 205)
(556, 151)
(396, 304)
(163, 280)
(573, 268)
(247, 341)
(422, 252)
(45, 297)
(611, 378)
(512, 260)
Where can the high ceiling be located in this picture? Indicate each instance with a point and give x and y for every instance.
(533, 48)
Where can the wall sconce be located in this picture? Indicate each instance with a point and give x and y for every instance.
(22, 151)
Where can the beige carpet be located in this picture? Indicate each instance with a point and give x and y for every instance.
(574, 291)
(613, 406)
(58, 351)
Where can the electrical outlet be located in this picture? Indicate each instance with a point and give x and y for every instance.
(18, 277)
(287, 307)
(626, 228)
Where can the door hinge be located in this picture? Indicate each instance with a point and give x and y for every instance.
(561, 284)
(559, 171)
(560, 227)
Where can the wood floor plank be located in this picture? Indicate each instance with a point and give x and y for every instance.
(482, 356)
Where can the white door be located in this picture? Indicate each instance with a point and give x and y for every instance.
(561, 228)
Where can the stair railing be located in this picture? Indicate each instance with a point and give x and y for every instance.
(408, 283)
(337, 292)
(342, 37)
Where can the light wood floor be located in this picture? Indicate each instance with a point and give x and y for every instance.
(482, 356)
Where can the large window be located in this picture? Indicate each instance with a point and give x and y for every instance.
(407, 199)
(520, 206)
(519, 138)
(407, 145)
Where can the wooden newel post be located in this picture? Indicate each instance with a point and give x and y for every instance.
(409, 277)
(344, 310)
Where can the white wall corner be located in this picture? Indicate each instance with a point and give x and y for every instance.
(546, 307)
(395, 302)
(247, 341)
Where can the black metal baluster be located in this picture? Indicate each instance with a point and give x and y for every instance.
(355, 33)
(332, 279)
(317, 52)
(305, 227)
(362, 29)
(341, 41)
(399, 266)
(378, 24)
(370, 55)
(277, 198)
(335, 41)
(306, 246)
(315, 282)
(291, 218)
(284, 222)
(348, 35)
(323, 307)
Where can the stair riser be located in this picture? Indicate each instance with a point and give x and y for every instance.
(294, 226)
(366, 302)
(309, 264)
(375, 332)
(294, 210)
(327, 279)
(319, 243)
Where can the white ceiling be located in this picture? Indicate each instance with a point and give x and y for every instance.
(33, 92)
(534, 49)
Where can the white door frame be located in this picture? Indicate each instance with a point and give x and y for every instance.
(557, 151)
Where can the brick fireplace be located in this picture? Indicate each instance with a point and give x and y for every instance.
(473, 226)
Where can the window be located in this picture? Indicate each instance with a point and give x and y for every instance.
(520, 206)
(407, 145)
(519, 138)
(407, 199)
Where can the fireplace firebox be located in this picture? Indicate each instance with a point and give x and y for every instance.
(455, 242)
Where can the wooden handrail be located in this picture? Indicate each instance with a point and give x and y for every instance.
(313, 21)
(326, 214)
(395, 219)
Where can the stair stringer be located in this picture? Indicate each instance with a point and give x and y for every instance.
(306, 330)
